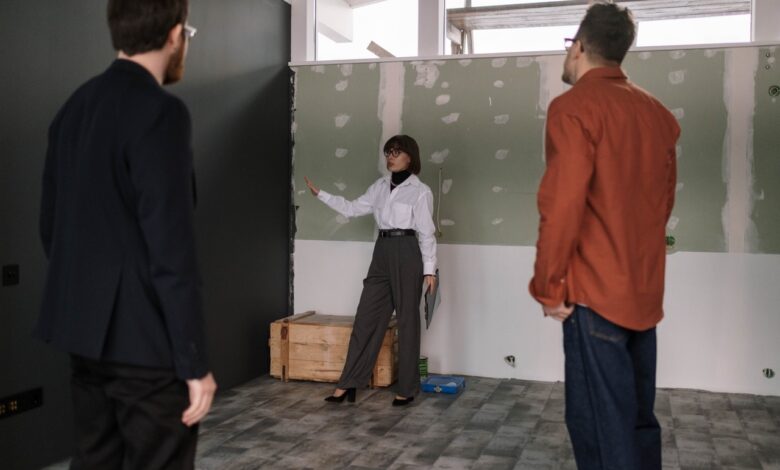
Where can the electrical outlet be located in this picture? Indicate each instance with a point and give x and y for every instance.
(21, 402)
(11, 275)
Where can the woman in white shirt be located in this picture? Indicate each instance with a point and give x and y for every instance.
(404, 258)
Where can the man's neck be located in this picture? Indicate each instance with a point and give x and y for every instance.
(154, 61)
(589, 65)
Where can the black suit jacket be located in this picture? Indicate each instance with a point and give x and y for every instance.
(117, 226)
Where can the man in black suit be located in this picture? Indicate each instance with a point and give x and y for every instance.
(122, 294)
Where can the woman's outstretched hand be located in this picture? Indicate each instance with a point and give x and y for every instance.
(430, 283)
(314, 190)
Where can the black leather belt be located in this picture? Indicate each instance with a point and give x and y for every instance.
(397, 232)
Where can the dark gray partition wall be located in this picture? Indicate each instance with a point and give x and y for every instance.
(237, 88)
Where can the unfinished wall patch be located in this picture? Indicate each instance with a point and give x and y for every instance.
(427, 75)
(438, 157)
(450, 118)
(501, 119)
(739, 96)
(676, 77)
(390, 105)
(442, 99)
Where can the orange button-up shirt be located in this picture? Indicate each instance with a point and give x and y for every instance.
(604, 200)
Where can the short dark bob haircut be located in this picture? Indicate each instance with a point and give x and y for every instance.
(139, 26)
(408, 145)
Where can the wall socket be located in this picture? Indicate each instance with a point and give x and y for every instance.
(10, 275)
(21, 402)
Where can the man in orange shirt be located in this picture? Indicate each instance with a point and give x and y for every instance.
(604, 201)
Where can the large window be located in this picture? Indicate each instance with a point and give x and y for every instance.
(389, 24)
(366, 29)
(503, 26)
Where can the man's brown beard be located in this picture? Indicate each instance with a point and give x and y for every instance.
(175, 70)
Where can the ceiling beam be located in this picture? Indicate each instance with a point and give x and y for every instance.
(362, 3)
(570, 12)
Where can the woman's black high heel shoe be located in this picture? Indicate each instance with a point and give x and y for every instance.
(350, 395)
(402, 401)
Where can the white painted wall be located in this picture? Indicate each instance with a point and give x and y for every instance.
(721, 328)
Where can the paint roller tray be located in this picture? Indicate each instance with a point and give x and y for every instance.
(443, 384)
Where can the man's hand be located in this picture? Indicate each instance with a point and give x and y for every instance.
(201, 396)
(430, 282)
(314, 190)
(560, 313)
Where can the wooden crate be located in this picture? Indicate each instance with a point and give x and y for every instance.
(312, 346)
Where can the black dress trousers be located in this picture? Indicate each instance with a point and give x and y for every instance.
(129, 417)
(394, 283)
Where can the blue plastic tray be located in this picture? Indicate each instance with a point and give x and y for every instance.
(443, 384)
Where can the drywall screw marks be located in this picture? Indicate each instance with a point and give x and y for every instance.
(774, 91)
(769, 373)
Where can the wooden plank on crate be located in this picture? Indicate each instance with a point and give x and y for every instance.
(320, 371)
(321, 334)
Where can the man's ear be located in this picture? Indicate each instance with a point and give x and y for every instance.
(175, 36)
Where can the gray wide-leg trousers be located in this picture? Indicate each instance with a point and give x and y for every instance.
(394, 283)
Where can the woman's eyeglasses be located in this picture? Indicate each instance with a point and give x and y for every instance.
(394, 152)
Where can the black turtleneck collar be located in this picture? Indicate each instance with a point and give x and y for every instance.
(398, 178)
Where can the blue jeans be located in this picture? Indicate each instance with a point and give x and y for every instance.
(610, 393)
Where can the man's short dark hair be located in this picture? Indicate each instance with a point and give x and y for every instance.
(139, 26)
(607, 31)
(408, 145)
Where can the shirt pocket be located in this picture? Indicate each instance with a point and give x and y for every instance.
(401, 215)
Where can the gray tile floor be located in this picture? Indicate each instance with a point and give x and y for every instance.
(493, 424)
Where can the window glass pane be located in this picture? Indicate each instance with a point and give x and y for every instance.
(488, 3)
(392, 24)
(487, 41)
(690, 31)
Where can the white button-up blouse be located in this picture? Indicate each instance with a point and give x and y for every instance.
(408, 206)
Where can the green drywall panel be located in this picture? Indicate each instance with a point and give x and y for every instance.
(690, 83)
(766, 152)
(322, 95)
(481, 123)
(492, 169)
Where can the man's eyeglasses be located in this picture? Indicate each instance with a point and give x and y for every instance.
(568, 42)
(394, 152)
(190, 31)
